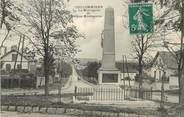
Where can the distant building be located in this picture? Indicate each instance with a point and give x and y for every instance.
(164, 62)
(17, 70)
(15, 60)
(130, 69)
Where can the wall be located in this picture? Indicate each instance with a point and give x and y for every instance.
(158, 77)
(8, 60)
(173, 82)
(32, 67)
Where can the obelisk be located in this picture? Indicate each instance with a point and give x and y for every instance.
(108, 73)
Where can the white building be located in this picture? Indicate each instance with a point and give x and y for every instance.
(173, 82)
(14, 59)
(163, 62)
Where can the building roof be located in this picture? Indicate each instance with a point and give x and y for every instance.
(17, 52)
(167, 58)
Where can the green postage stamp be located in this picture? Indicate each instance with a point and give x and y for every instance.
(140, 18)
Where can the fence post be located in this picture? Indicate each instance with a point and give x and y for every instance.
(151, 93)
(101, 93)
(75, 92)
(131, 93)
(41, 102)
(24, 95)
(136, 93)
(105, 94)
(118, 114)
(16, 106)
(124, 93)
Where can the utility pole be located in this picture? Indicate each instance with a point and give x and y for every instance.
(162, 91)
(181, 66)
(22, 53)
(162, 102)
(123, 70)
(17, 53)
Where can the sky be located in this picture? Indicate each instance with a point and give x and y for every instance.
(92, 28)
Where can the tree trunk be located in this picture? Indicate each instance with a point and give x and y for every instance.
(181, 91)
(46, 72)
(46, 84)
(180, 68)
(59, 85)
(141, 62)
(140, 78)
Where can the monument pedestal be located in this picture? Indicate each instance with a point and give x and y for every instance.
(108, 73)
(111, 77)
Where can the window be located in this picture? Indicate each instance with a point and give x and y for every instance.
(14, 56)
(18, 66)
(8, 67)
(155, 73)
(168, 78)
(160, 75)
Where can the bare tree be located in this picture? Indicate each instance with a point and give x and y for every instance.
(49, 21)
(141, 45)
(8, 16)
(175, 24)
(7, 13)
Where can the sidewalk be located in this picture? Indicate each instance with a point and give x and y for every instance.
(17, 114)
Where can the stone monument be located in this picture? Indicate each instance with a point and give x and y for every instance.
(108, 73)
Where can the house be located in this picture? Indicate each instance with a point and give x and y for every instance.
(163, 62)
(17, 70)
(15, 60)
